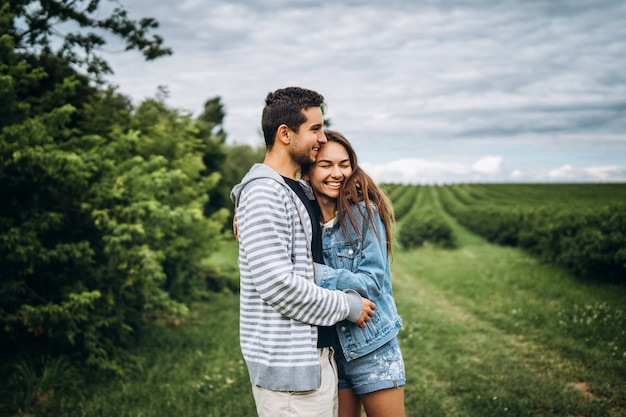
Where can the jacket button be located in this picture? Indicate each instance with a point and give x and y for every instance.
(352, 354)
(343, 328)
(350, 252)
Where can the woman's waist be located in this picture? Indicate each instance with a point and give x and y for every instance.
(356, 341)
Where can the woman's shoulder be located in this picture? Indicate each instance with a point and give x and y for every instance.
(361, 207)
(359, 216)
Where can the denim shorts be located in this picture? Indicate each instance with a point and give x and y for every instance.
(380, 369)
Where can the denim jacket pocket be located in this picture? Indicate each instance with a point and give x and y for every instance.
(356, 342)
(364, 336)
(346, 257)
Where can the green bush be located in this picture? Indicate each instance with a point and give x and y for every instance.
(418, 229)
(497, 225)
(588, 238)
(405, 200)
(102, 223)
(588, 242)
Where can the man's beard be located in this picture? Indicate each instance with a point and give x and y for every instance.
(301, 156)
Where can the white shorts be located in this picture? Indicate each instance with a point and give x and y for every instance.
(321, 402)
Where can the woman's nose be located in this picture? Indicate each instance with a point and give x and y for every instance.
(336, 172)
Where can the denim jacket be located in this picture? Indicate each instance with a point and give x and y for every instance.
(367, 270)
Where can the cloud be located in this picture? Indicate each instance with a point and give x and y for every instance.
(486, 169)
(517, 173)
(566, 171)
(595, 173)
(539, 84)
(424, 171)
(488, 165)
(605, 173)
(418, 171)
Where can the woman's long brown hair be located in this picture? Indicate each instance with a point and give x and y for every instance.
(360, 187)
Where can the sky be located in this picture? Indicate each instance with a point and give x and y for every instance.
(428, 92)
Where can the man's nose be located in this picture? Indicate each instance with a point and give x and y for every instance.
(321, 138)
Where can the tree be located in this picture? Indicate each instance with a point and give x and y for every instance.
(39, 22)
(102, 225)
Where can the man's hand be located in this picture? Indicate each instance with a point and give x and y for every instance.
(366, 312)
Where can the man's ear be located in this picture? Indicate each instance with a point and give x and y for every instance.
(283, 134)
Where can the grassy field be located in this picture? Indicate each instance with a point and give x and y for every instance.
(488, 331)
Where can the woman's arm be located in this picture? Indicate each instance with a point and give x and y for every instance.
(372, 268)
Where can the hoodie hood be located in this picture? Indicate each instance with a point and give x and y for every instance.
(263, 171)
(257, 171)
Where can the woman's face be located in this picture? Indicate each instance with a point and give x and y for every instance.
(332, 167)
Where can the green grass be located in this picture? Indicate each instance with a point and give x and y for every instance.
(488, 331)
(221, 265)
(481, 341)
(191, 370)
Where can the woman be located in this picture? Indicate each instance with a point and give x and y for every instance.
(356, 218)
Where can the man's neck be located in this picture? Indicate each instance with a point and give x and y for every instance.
(281, 164)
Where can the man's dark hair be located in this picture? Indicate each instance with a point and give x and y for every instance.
(285, 106)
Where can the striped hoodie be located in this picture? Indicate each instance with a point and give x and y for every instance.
(280, 305)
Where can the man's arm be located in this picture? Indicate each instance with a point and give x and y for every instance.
(367, 307)
(265, 234)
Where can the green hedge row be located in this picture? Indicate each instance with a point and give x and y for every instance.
(404, 201)
(427, 226)
(591, 242)
(419, 220)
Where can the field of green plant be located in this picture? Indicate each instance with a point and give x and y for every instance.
(489, 330)
(581, 227)
(495, 331)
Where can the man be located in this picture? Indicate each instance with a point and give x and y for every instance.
(280, 305)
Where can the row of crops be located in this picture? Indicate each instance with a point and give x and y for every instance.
(581, 227)
(419, 220)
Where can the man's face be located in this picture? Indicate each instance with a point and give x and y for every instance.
(305, 144)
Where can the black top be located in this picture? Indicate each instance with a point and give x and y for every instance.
(326, 336)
